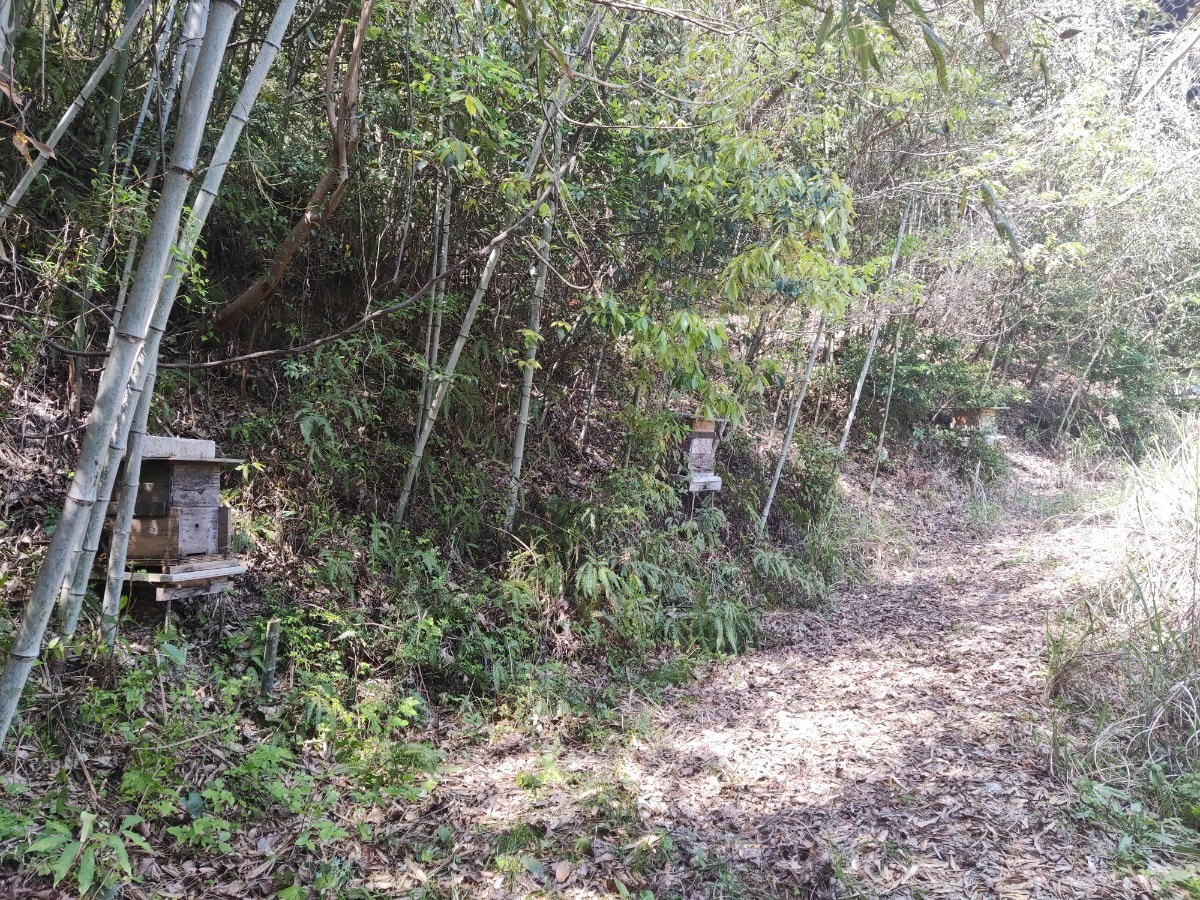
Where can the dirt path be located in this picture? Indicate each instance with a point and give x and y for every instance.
(895, 748)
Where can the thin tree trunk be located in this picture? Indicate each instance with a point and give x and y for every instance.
(32, 172)
(791, 426)
(887, 409)
(209, 189)
(412, 159)
(112, 391)
(875, 332)
(1168, 66)
(10, 21)
(1080, 389)
(434, 272)
(532, 340)
(438, 300)
(342, 113)
(829, 342)
(862, 378)
(587, 411)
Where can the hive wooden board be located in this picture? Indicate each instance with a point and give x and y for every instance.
(183, 531)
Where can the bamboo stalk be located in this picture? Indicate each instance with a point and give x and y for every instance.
(73, 110)
(118, 88)
(74, 588)
(193, 34)
(222, 155)
(887, 409)
(112, 393)
(862, 378)
(485, 280)
(535, 326)
(422, 401)
(587, 410)
(270, 656)
(791, 426)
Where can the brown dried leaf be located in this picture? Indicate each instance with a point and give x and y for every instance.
(9, 89)
(21, 144)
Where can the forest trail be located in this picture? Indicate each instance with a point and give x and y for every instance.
(894, 747)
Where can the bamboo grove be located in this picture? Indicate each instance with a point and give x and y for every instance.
(451, 275)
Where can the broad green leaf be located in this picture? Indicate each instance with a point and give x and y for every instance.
(49, 842)
(174, 654)
(938, 50)
(87, 870)
(979, 10)
(66, 859)
(122, 855)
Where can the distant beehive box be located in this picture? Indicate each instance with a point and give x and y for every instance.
(978, 418)
(180, 529)
(701, 449)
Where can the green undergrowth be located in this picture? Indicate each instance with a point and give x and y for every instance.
(176, 756)
(617, 583)
(1123, 663)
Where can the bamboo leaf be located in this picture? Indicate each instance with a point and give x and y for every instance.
(938, 50)
(918, 11)
(826, 26)
(962, 202)
(979, 10)
(858, 43)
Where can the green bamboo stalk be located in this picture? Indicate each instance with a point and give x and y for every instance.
(485, 280)
(535, 327)
(209, 189)
(791, 426)
(112, 393)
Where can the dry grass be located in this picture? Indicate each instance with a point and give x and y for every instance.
(1125, 659)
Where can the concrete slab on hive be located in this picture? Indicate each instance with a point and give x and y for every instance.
(157, 446)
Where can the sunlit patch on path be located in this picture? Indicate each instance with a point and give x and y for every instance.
(896, 747)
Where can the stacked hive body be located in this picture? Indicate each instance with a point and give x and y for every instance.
(179, 543)
(701, 449)
(981, 419)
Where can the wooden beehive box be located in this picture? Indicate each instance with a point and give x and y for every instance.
(180, 535)
(700, 446)
(978, 418)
